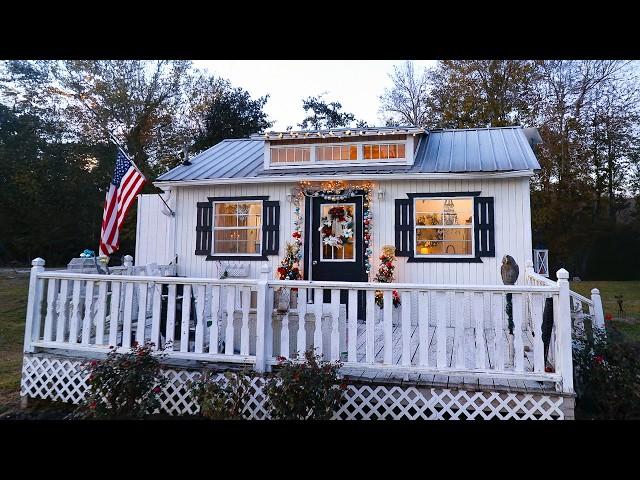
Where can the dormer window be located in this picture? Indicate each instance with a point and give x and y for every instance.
(337, 152)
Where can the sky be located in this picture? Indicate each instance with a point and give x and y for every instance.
(356, 84)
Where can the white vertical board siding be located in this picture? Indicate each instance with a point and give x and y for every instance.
(512, 227)
(152, 232)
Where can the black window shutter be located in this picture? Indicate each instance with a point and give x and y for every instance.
(404, 228)
(203, 228)
(484, 230)
(271, 228)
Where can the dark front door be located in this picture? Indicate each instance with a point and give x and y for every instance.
(330, 260)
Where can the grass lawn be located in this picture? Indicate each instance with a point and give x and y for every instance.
(13, 306)
(628, 324)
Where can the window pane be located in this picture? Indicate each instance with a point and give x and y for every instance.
(375, 152)
(353, 152)
(306, 154)
(429, 248)
(393, 151)
(298, 155)
(367, 152)
(384, 151)
(401, 153)
(429, 206)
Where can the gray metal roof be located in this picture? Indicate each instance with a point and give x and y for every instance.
(439, 151)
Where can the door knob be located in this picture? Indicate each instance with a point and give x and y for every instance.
(315, 262)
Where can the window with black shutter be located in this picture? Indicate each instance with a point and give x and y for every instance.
(271, 228)
(403, 228)
(204, 221)
(444, 227)
(238, 228)
(484, 229)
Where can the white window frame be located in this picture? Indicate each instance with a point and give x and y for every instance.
(360, 160)
(470, 227)
(355, 246)
(214, 228)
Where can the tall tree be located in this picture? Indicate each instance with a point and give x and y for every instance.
(226, 112)
(406, 101)
(324, 115)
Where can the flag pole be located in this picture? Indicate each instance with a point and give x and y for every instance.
(115, 141)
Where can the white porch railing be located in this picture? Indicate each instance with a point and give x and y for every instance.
(456, 330)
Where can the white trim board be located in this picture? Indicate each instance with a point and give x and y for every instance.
(323, 178)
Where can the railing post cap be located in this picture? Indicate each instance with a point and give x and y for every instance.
(595, 291)
(37, 262)
(562, 274)
(128, 258)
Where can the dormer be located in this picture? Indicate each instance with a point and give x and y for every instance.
(340, 147)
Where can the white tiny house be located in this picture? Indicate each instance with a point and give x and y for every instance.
(452, 202)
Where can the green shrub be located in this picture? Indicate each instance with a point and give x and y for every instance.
(223, 399)
(304, 390)
(606, 378)
(124, 385)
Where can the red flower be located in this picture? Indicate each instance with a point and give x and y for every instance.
(389, 264)
(599, 359)
(94, 363)
(134, 344)
(608, 316)
(280, 358)
(92, 405)
(548, 369)
(156, 389)
(343, 386)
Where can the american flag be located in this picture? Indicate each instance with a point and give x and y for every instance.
(127, 182)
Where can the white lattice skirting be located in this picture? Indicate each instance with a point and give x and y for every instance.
(63, 379)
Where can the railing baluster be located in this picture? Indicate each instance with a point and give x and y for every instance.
(186, 318)
(352, 333)
(142, 313)
(317, 310)
(335, 314)
(423, 328)
(231, 307)
(498, 318)
(388, 326)
(101, 312)
(155, 316)
(460, 300)
(50, 318)
(536, 319)
(88, 307)
(244, 331)
(284, 326)
(405, 305)
(371, 326)
(301, 344)
(199, 314)
(479, 312)
(215, 312)
(518, 347)
(127, 315)
(114, 313)
(62, 311)
(170, 327)
(75, 312)
(442, 300)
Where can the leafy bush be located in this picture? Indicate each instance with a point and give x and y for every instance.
(304, 390)
(124, 385)
(607, 377)
(223, 400)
